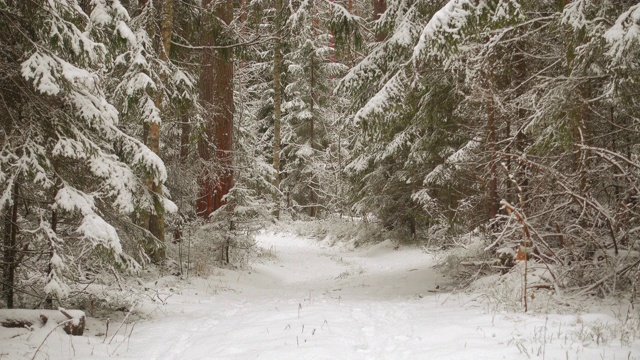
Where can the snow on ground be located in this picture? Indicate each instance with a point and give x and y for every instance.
(306, 299)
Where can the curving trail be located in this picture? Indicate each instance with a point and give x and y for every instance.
(315, 301)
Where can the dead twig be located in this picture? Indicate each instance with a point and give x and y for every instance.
(123, 321)
(113, 271)
(106, 332)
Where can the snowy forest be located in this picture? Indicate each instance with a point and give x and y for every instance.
(146, 140)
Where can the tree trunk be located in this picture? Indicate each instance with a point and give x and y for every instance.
(156, 219)
(9, 254)
(166, 28)
(185, 135)
(493, 161)
(54, 228)
(520, 138)
(277, 103)
(217, 95)
(185, 124)
(223, 118)
(204, 205)
(313, 199)
(379, 7)
(579, 112)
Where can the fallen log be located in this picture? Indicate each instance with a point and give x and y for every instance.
(74, 320)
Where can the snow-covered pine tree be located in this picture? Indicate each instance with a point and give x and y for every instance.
(314, 31)
(406, 126)
(534, 102)
(67, 168)
(287, 71)
(151, 93)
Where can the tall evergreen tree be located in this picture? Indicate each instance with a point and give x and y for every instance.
(62, 138)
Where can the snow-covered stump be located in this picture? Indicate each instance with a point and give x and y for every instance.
(71, 321)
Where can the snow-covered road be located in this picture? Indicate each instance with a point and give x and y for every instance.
(315, 301)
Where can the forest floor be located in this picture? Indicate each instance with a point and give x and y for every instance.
(310, 299)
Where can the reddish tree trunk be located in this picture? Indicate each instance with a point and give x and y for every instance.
(204, 205)
(216, 86)
(379, 7)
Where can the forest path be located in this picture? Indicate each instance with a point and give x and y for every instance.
(307, 299)
(315, 301)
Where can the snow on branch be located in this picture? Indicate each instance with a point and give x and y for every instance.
(71, 199)
(624, 34)
(391, 94)
(64, 32)
(393, 15)
(6, 198)
(52, 75)
(440, 174)
(371, 68)
(93, 227)
(344, 25)
(399, 141)
(358, 165)
(451, 23)
(54, 283)
(574, 15)
(298, 16)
